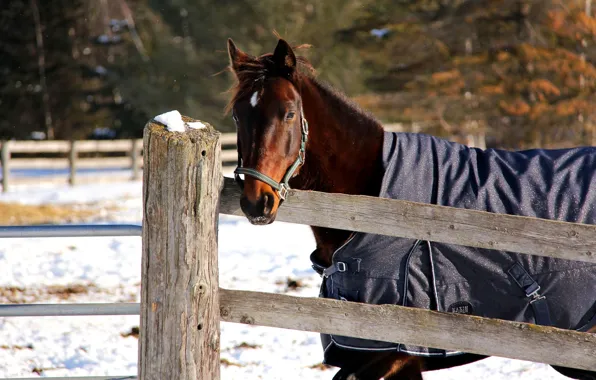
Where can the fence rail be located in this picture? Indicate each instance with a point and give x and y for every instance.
(71, 310)
(75, 378)
(72, 160)
(70, 230)
(68, 310)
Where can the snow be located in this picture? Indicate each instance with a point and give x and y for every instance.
(195, 125)
(173, 121)
(260, 258)
(379, 33)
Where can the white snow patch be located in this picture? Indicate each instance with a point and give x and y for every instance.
(172, 120)
(196, 125)
(254, 99)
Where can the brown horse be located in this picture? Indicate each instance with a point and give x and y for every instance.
(295, 131)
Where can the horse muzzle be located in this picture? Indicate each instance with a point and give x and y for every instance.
(260, 211)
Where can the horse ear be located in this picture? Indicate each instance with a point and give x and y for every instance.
(284, 58)
(236, 55)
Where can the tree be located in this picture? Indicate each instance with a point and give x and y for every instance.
(512, 67)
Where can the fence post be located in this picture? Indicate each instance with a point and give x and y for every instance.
(72, 162)
(5, 158)
(179, 328)
(134, 158)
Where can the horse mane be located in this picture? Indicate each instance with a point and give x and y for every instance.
(253, 71)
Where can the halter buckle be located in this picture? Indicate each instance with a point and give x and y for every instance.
(283, 191)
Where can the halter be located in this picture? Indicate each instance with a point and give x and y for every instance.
(283, 186)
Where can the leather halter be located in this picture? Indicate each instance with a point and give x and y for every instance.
(283, 186)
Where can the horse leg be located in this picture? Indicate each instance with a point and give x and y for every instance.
(388, 365)
(395, 366)
(577, 374)
(357, 362)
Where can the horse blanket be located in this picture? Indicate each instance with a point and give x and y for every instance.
(378, 269)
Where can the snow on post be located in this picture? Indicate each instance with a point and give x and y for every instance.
(182, 180)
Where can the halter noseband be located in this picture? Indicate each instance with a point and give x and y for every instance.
(283, 186)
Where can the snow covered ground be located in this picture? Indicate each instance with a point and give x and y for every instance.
(108, 270)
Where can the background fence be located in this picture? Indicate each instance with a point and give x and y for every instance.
(59, 161)
(62, 310)
(104, 160)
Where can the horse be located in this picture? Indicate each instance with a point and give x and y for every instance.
(294, 130)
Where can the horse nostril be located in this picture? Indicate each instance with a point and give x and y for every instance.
(267, 205)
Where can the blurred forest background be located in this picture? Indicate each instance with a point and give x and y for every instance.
(514, 73)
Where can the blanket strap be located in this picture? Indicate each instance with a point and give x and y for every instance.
(530, 287)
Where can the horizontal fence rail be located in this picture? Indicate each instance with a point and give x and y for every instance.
(72, 230)
(563, 240)
(71, 310)
(389, 323)
(71, 150)
(68, 310)
(75, 378)
(409, 325)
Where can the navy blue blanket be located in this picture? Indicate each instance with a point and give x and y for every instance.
(551, 184)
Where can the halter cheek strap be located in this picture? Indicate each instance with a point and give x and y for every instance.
(283, 186)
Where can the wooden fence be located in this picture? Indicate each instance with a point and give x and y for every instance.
(182, 304)
(101, 154)
(84, 154)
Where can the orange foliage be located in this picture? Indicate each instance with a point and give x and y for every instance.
(572, 107)
(545, 87)
(492, 90)
(517, 107)
(575, 25)
(444, 76)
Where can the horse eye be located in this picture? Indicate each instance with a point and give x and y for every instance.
(290, 115)
(235, 118)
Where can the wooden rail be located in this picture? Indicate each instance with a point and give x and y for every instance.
(409, 325)
(180, 196)
(573, 241)
(72, 159)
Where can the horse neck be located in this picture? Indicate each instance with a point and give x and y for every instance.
(343, 154)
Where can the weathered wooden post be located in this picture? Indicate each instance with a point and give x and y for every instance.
(135, 151)
(5, 158)
(182, 180)
(72, 162)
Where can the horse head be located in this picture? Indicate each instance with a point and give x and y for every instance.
(271, 126)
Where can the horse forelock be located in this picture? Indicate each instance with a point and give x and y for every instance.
(254, 71)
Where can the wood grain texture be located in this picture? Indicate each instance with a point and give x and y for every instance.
(573, 241)
(72, 163)
(135, 164)
(414, 326)
(179, 330)
(4, 160)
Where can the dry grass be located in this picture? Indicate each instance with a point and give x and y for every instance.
(134, 332)
(321, 366)
(16, 295)
(12, 214)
